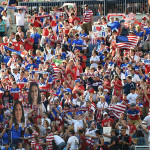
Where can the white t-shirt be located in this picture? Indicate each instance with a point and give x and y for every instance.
(19, 19)
(132, 98)
(16, 76)
(77, 124)
(77, 28)
(147, 119)
(102, 105)
(58, 139)
(6, 19)
(73, 140)
(97, 59)
(49, 121)
(135, 78)
(90, 132)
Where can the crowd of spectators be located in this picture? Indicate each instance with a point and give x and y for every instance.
(50, 98)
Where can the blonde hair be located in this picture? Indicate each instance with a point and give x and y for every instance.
(138, 28)
(38, 51)
(2, 13)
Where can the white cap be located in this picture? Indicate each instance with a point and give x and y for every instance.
(105, 90)
(105, 113)
(100, 87)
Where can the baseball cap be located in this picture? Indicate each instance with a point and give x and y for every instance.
(132, 104)
(100, 87)
(91, 91)
(68, 90)
(78, 80)
(105, 90)
(144, 18)
(105, 113)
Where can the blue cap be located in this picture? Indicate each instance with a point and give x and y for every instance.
(68, 90)
(78, 80)
(122, 21)
(114, 30)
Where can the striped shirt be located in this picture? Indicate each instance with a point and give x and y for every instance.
(87, 14)
(49, 139)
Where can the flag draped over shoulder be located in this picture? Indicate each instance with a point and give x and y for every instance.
(12, 50)
(126, 42)
(117, 109)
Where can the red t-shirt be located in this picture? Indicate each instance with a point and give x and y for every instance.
(82, 142)
(145, 101)
(107, 122)
(107, 83)
(71, 20)
(147, 68)
(4, 44)
(38, 147)
(131, 128)
(27, 45)
(52, 37)
(84, 63)
(45, 32)
(72, 74)
(80, 88)
(35, 23)
(17, 45)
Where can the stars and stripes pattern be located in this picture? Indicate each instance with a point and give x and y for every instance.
(56, 71)
(117, 109)
(49, 140)
(127, 42)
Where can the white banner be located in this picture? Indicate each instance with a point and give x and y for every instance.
(98, 31)
(107, 131)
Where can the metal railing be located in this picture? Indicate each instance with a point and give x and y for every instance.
(142, 147)
(102, 6)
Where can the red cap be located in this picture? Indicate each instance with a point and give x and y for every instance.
(148, 82)
(144, 18)
(91, 91)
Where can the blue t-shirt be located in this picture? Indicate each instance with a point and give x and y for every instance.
(23, 80)
(78, 42)
(38, 60)
(55, 113)
(63, 56)
(16, 134)
(133, 114)
(147, 32)
(36, 37)
(117, 24)
(113, 25)
(15, 90)
(5, 139)
(1, 118)
(29, 65)
(6, 58)
(140, 34)
(83, 35)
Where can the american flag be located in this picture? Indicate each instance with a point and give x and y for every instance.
(56, 70)
(117, 109)
(126, 42)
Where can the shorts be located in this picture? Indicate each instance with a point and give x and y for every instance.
(146, 45)
(2, 34)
